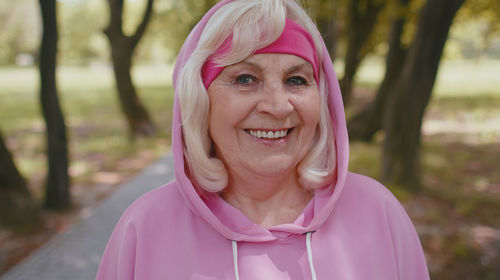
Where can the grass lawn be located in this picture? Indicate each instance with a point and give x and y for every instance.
(99, 143)
(456, 214)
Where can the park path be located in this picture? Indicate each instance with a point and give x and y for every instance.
(75, 254)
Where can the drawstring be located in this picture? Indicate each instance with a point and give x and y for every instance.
(309, 257)
(235, 259)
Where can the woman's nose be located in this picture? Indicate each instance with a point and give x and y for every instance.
(275, 102)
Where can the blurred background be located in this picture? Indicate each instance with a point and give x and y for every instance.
(86, 102)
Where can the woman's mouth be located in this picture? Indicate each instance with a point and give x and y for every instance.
(268, 134)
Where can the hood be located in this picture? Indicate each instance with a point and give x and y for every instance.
(227, 220)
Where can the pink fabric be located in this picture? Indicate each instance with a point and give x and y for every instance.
(360, 229)
(293, 40)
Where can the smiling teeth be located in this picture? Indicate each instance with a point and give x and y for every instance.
(268, 134)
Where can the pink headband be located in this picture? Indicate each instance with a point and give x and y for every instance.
(294, 40)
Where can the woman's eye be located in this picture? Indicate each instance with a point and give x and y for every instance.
(296, 81)
(245, 79)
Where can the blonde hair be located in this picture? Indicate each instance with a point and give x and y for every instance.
(253, 24)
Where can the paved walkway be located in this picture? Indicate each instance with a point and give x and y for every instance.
(75, 254)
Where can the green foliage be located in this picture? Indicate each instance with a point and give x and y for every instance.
(80, 29)
(82, 41)
(484, 10)
(174, 20)
(481, 19)
(19, 27)
(338, 10)
(329, 9)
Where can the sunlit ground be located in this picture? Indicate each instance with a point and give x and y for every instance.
(456, 214)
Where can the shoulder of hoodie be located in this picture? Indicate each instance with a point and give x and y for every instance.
(158, 203)
(364, 200)
(368, 193)
(361, 184)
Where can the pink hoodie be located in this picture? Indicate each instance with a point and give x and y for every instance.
(353, 228)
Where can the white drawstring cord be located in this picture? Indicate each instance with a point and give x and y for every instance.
(309, 255)
(235, 259)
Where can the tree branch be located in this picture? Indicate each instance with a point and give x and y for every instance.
(144, 23)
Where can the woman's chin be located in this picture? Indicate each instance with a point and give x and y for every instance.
(273, 166)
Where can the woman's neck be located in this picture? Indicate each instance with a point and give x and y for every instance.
(269, 202)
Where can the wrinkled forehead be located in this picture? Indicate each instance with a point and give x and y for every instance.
(273, 61)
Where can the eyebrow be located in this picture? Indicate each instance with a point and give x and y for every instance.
(252, 64)
(298, 67)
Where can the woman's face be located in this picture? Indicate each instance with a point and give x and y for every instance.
(263, 114)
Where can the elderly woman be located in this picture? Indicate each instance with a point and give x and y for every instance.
(260, 149)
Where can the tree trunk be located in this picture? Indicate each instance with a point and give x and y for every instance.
(329, 31)
(327, 17)
(17, 206)
(366, 123)
(402, 120)
(57, 196)
(361, 21)
(122, 50)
